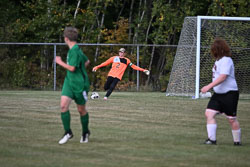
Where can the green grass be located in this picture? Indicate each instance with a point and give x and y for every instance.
(129, 130)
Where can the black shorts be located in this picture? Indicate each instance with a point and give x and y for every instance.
(225, 103)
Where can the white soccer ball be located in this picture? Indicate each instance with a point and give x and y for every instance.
(94, 95)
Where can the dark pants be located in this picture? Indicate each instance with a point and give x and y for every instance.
(110, 85)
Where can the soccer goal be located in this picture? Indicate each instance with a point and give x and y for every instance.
(192, 67)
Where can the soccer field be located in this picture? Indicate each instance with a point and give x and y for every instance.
(129, 130)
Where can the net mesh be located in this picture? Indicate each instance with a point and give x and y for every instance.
(183, 74)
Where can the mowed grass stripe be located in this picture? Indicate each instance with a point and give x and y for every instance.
(130, 129)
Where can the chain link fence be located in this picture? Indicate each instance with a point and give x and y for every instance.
(32, 66)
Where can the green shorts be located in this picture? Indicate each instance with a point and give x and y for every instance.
(80, 97)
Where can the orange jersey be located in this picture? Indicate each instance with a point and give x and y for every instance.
(119, 65)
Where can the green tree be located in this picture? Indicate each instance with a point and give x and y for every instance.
(101, 21)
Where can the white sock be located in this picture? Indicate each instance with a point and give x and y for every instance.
(236, 135)
(211, 131)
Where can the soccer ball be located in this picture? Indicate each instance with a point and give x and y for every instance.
(94, 95)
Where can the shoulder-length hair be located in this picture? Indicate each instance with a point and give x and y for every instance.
(220, 48)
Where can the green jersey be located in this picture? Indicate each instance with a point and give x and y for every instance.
(78, 80)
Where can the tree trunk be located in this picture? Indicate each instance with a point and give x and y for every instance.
(130, 32)
(130, 20)
(149, 26)
(97, 51)
(77, 8)
(84, 27)
(118, 17)
(150, 64)
(140, 16)
(99, 35)
(44, 60)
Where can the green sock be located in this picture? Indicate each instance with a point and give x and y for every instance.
(85, 123)
(65, 116)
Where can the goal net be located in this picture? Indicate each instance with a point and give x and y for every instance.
(192, 67)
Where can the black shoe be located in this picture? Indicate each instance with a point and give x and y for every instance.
(85, 137)
(210, 142)
(237, 143)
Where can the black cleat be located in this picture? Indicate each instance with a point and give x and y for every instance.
(210, 142)
(237, 143)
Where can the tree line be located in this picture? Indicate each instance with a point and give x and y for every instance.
(98, 21)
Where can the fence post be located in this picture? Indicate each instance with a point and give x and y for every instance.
(138, 76)
(54, 67)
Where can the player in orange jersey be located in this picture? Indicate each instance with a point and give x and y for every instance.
(119, 65)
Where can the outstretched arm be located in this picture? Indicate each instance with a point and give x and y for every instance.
(139, 68)
(107, 62)
(136, 67)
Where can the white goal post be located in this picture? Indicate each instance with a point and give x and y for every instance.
(193, 52)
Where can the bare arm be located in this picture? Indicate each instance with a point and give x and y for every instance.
(219, 80)
(63, 64)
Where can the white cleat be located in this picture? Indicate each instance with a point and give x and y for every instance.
(65, 138)
(85, 138)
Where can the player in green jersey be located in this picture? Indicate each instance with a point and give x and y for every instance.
(75, 86)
